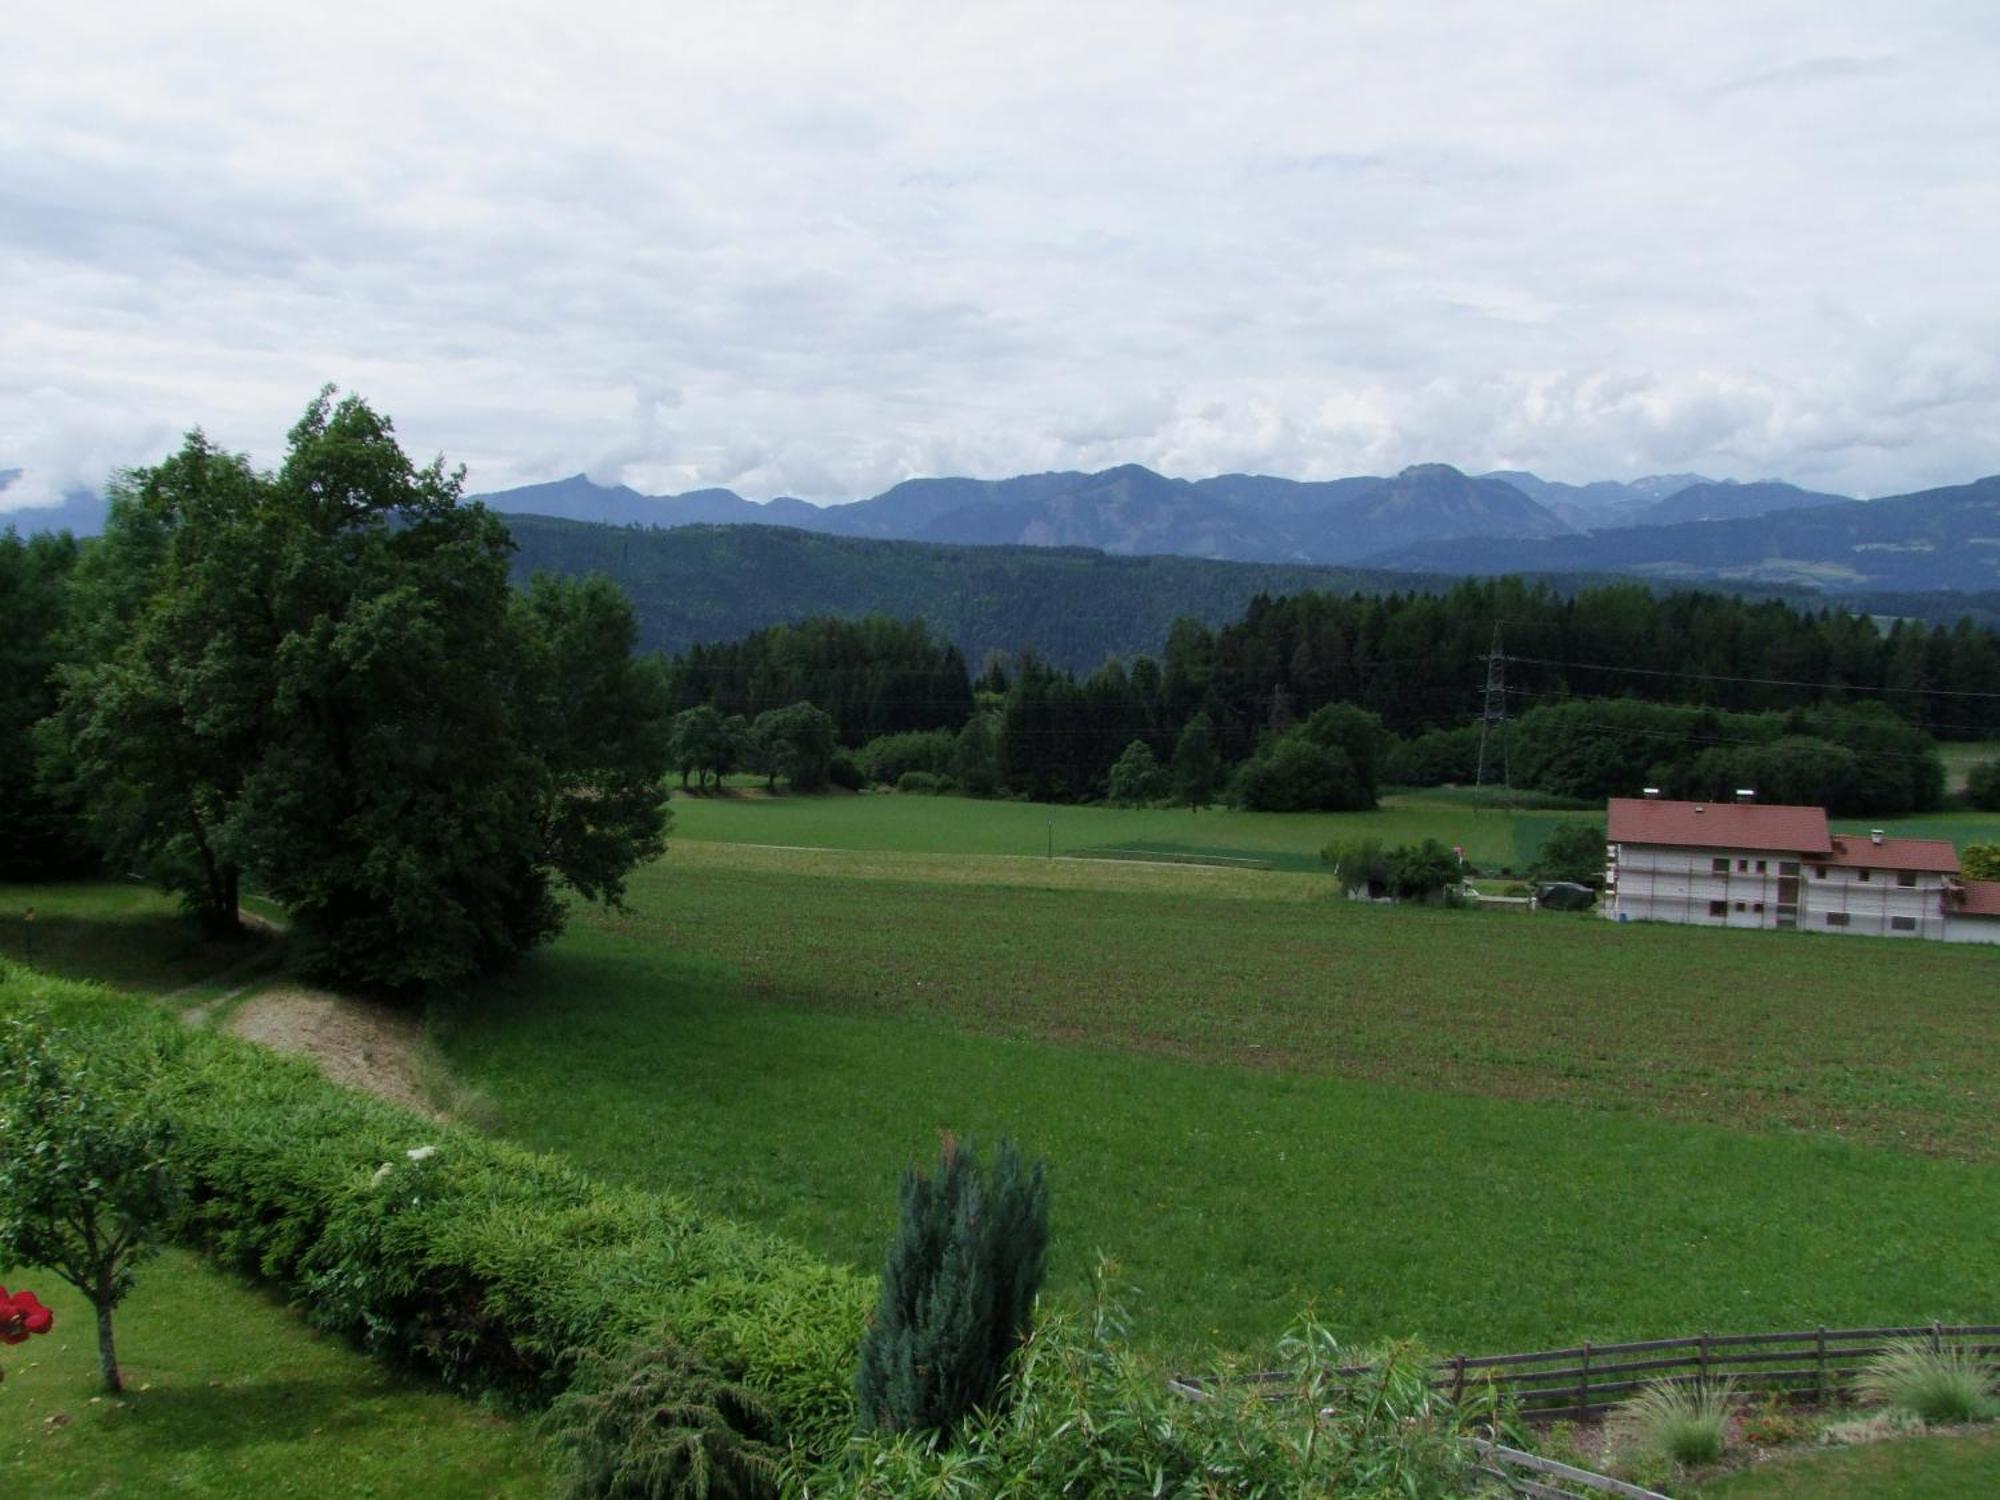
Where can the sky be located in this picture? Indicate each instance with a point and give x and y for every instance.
(817, 248)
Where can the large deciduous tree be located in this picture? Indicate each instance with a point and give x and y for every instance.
(321, 680)
(39, 837)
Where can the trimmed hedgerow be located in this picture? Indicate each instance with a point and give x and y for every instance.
(485, 1265)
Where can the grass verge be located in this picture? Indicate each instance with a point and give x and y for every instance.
(230, 1394)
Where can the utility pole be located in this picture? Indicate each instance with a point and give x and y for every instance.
(1493, 712)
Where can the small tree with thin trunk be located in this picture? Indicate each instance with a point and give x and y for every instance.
(85, 1190)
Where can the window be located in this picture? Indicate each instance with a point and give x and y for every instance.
(1902, 924)
(1864, 875)
(1906, 877)
(1718, 867)
(1743, 864)
(1718, 908)
(1758, 907)
(1788, 867)
(1739, 906)
(1819, 872)
(1760, 867)
(1836, 919)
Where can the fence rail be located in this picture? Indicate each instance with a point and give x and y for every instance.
(1586, 1380)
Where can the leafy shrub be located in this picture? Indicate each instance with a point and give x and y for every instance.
(921, 782)
(659, 1423)
(1438, 758)
(958, 1291)
(1360, 866)
(1980, 861)
(1685, 1424)
(844, 773)
(1087, 1415)
(1409, 872)
(1295, 775)
(1572, 851)
(1947, 1384)
(474, 1261)
(887, 758)
(1982, 786)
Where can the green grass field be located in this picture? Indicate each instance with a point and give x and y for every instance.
(229, 1394)
(1491, 1130)
(1487, 1128)
(1928, 1468)
(959, 825)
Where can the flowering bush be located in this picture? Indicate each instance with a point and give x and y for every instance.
(22, 1313)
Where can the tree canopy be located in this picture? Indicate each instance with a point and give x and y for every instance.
(319, 680)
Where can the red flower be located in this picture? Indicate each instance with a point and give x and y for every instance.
(22, 1313)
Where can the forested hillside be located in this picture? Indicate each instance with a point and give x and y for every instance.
(1075, 607)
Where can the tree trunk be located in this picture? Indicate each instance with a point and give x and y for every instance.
(107, 1351)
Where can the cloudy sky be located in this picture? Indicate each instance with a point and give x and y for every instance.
(817, 248)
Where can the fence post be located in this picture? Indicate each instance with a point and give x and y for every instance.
(1819, 1362)
(1937, 1337)
(1583, 1381)
(1458, 1380)
(1704, 1357)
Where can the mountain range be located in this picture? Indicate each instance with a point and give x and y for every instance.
(1133, 511)
(1430, 518)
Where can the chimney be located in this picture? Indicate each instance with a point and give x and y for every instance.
(1652, 794)
(1746, 794)
(1875, 836)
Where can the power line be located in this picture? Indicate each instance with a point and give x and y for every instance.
(1821, 687)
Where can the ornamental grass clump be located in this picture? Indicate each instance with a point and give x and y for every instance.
(661, 1423)
(1684, 1424)
(1942, 1385)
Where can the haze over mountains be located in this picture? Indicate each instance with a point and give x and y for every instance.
(1430, 518)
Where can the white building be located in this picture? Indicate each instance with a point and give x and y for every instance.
(1744, 864)
(1972, 915)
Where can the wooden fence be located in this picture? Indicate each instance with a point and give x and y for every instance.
(1586, 1381)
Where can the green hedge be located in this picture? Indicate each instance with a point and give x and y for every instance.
(479, 1262)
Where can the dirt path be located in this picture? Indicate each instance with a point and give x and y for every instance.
(354, 1042)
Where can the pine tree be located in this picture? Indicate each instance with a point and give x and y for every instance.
(958, 1291)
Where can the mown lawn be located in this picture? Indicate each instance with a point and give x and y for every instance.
(122, 933)
(229, 1394)
(1933, 1468)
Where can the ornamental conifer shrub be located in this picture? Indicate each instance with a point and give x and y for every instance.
(958, 1291)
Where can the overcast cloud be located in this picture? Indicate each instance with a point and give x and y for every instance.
(814, 248)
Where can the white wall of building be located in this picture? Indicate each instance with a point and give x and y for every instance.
(1742, 888)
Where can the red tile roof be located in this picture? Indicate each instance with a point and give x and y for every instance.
(1977, 898)
(1857, 850)
(1719, 825)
